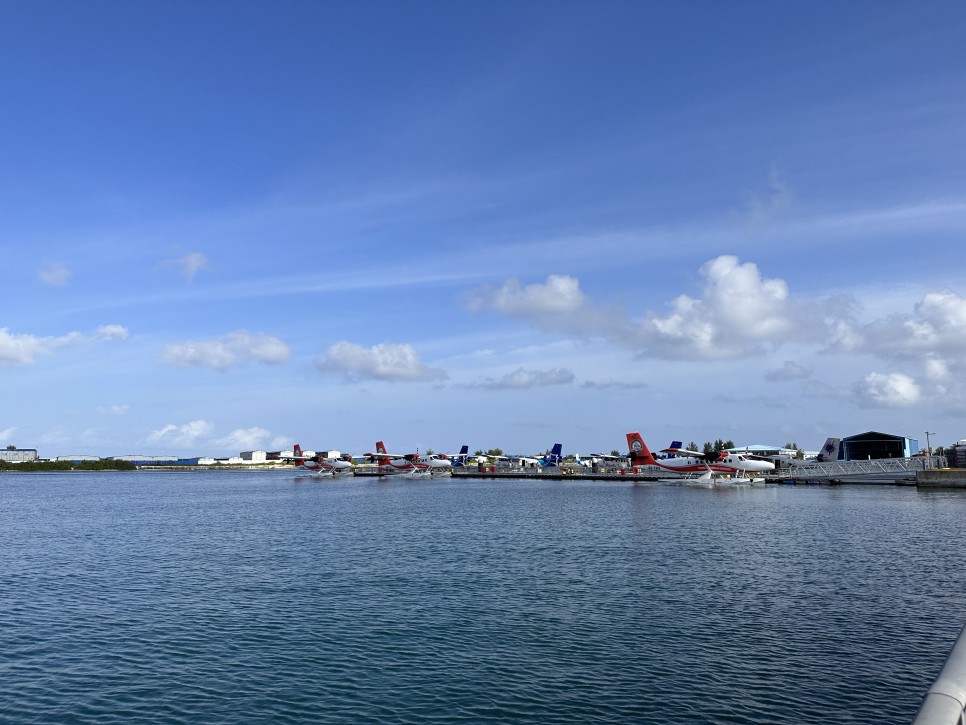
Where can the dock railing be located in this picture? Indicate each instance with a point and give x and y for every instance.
(876, 466)
(945, 703)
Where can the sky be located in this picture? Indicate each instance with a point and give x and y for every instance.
(233, 226)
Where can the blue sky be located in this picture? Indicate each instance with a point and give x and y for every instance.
(241, 225)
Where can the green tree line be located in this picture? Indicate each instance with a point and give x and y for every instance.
(102, 465)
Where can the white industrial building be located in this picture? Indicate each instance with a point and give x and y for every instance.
(12, 454)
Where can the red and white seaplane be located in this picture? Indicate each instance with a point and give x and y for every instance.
(321, 465)
(684, 461)
(410, 465)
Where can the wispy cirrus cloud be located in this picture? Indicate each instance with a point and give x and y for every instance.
(386, 361)
(227, 351)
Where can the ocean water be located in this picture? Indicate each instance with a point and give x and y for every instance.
(237, 597)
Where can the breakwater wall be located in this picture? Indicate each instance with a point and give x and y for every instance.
(942, 478)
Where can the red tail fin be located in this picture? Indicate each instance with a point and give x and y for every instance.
(381, 450)
(297, 452)
(637, 449)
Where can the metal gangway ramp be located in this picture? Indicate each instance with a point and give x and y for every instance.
(879, 467)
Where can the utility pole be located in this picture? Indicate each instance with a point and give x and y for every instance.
(929, 447)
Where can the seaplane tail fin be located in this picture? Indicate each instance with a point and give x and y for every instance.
(464, 450)
(556, 454)
(381, 453)
(831, 450)
(297, 452)
(638, 451)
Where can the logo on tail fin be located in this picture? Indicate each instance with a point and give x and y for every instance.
(831, 451)
(637, 450)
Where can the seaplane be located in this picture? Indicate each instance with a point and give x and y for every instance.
(409, 465)
(681, 460)
(553, 458)
(320, 465)
(457, 459)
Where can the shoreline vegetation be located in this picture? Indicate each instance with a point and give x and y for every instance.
(113, 465)
(35, 466)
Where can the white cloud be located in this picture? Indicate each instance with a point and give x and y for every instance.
(227, 351)
(116, 409)
(613, 384)
(521, 378)
(25, 349)
(789, 371)
(279, 442)
(191, 264)
(6, 434)
(557, 305)
(776, 202)
(385, 361)
(739, 313)
(112, 332)
(887, 390)
(937, 370)
(560, 294)
(55, 274)
(182, 436)
(19, 349)
(244, 439)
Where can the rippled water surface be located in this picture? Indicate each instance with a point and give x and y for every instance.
(254, 597)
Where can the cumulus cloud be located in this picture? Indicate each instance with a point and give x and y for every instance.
(111, 332)
(6, 434)
(887, 390)
(245, 439)
(558, 304)
(560, 293)
(521, 378)
(55, 274)
(191, 264)
(935, 326)
(789, 371)
(385, 361)
(227, 351)
(24, 349)
(182, 436)
(739, 313)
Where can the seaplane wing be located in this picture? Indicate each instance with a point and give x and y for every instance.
(675, 449)
(683, 452)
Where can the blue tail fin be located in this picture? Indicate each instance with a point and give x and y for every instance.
(554, 457)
